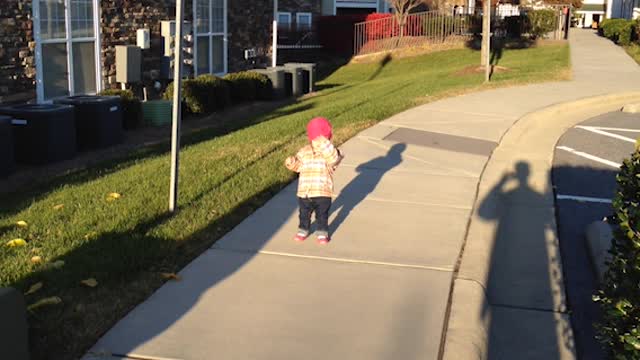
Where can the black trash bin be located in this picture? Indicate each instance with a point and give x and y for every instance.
(7, 161)
(98, 120)
(42, 133)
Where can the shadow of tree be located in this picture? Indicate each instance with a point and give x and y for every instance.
(381, 65)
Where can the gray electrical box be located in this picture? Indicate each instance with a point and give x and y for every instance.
(128, 64)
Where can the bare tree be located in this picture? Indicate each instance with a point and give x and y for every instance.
(402, 8)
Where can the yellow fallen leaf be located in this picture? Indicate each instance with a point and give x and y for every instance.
(91, 235)
(36, 259)
(113, 196)
(171, 276)
(16, 243)
(22, 224)
(58, 207)
(54, 300)
(91, 282)
(56, 264)
(35, 287)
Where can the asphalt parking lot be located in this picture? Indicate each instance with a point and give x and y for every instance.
(585, 165)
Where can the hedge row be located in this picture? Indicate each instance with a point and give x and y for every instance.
(619, 294)
(208, 93)
(620, 31)
(535, 23)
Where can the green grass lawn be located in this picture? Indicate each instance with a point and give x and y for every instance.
(226, 173)
(634, 51)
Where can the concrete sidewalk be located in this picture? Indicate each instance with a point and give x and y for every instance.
(408, 195)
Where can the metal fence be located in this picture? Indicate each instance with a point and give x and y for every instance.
(419, 29)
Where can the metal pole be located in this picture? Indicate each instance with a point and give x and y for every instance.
(177, 108)
(274, 45)
(486, 37)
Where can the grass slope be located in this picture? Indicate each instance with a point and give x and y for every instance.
(226, 173)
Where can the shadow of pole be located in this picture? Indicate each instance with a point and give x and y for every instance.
(369, 175)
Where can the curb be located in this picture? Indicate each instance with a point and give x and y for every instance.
(470, 333)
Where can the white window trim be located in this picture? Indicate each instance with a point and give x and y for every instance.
(288, 15)
(298, 15)
(210, 35)
(68, 41)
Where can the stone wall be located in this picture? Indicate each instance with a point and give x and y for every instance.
(249, 25)
(17, 64)
(120, 21)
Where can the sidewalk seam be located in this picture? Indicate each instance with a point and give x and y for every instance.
(337, 260)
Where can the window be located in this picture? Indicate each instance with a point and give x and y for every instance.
(67, 48)
(303, 21)
(210, 36)
(284, 21)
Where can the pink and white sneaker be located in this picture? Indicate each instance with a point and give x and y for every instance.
(323, 239)
(300, 237)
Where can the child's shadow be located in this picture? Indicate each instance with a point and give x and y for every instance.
(369, 175)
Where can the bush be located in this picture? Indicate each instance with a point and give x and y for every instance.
(626, 35)
(541, 22)
(515, 26)
(131, 107)
(203, 95)
(614, 29)
(619, 294)
(249, 86)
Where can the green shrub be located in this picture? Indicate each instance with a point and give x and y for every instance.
(131, 107)
(613, 29)
(626, 35)
(619, 294)
(515, 26)
(541, 22)
(203, 95)
(249, 86)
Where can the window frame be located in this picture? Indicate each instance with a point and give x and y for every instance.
(299, 15)
(210, 35)
(288, 15)
(68, 40)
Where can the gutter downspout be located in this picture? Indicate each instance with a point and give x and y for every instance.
(274, 45)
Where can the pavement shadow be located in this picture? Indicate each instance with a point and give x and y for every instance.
(369, 175)
(137, 259)
(573, 217)
(524, 283)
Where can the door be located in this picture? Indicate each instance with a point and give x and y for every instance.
(67, 48)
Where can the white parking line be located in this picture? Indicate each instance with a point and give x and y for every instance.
(602, 132)
(612, 128)
(590, 157)
(583, 199)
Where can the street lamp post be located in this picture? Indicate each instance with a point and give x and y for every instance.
(177, 108)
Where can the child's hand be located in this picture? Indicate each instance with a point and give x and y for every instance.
(291, 163)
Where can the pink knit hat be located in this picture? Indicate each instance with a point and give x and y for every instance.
(319, 127)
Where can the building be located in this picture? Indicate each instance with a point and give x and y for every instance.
(593, 12)
(51, 48)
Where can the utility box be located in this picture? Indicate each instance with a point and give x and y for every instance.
(143, 39)
(168, 32)
(128, 64)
